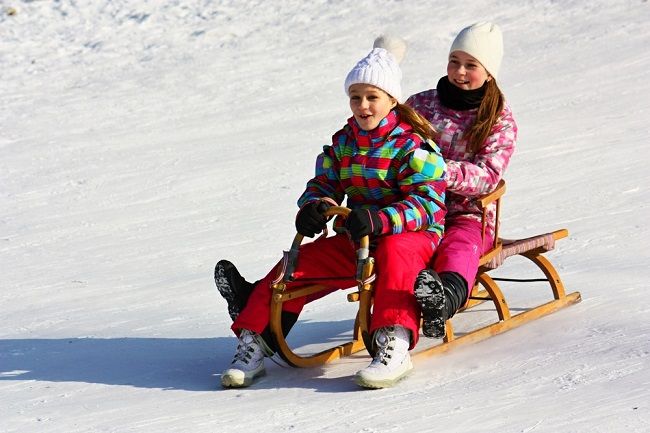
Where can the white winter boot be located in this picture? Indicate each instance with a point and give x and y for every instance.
(248, 362)
(392, 361)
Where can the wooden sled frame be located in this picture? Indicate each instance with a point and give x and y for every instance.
(364, 277)
(532, 248)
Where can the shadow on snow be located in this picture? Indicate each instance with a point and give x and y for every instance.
(192, 364)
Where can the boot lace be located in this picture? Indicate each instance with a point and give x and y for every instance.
(245, 349)
(384, 344)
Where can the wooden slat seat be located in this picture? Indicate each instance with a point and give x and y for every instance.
(511, 247)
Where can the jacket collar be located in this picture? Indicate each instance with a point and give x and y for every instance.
(377, 136)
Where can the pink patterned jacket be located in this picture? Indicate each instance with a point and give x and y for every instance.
(469, 175)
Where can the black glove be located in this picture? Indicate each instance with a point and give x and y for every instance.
(310, 219)
(362, 222)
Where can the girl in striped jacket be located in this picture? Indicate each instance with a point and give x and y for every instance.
(384, 163)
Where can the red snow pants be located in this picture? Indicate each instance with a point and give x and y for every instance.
(398, 259)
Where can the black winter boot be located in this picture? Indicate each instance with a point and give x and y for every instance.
(439, 296)
(287, 320)
(232, 286)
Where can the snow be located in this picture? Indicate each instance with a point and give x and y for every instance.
(142, 141)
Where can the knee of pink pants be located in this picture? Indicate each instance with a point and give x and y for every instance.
(460, 249)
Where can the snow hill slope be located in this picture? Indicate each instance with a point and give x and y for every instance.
(142, 141)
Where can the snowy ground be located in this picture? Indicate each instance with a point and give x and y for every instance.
(141, 141)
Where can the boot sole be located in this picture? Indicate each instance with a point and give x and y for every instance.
(429, 293)
(382, 383)
(228, 381)
(222, 281)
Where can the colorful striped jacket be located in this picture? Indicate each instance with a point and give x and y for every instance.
(468, 174)
(390, 169)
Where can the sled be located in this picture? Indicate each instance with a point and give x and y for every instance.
(485, 290)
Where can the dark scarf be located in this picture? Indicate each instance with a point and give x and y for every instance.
(454, 97)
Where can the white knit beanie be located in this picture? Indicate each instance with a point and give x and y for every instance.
(380, 67)
(484, 42)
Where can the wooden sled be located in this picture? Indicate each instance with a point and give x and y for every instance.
(485, 289)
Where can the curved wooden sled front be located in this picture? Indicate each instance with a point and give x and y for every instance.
(281, 294)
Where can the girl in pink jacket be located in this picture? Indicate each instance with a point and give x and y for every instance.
(477, 135)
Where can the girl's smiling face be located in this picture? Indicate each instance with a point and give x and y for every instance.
(465, 72)
(369, 105)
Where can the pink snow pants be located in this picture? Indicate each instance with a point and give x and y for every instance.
(461, 249)
(398, 259)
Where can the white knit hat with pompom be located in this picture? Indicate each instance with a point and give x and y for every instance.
(380, 67)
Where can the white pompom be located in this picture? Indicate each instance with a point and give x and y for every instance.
(393, 44)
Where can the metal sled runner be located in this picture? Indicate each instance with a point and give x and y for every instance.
(485, 290)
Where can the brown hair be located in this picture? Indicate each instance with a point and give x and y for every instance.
(486, 116)
(421, 126)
